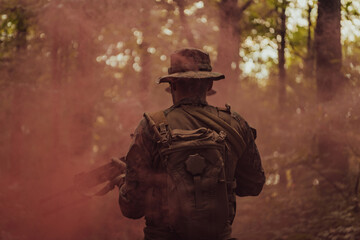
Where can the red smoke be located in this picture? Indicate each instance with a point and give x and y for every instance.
(64, 112)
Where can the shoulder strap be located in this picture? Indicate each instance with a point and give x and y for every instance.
(225, 113)
(235, 139)
(158, 117)
(158, 123)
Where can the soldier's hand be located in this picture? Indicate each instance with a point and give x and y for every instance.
(119, 180)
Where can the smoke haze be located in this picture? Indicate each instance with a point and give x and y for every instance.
(75, 80)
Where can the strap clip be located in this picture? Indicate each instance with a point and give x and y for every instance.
(164, 136)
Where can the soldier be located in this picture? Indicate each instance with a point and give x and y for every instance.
(187, 163)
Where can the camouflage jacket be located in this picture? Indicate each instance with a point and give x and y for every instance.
(141, 195)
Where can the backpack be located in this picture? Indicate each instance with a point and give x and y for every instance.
(197, 187)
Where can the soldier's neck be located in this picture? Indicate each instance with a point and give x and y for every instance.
(194, 99)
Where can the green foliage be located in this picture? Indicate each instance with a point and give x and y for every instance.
(13, 29)
(349, 10)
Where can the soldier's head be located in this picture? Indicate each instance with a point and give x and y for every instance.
(190, 74)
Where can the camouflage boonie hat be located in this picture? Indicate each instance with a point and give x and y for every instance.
(190, 63)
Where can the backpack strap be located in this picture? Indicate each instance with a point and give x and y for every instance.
(159, 126)
(158, 117)
(158, 122)
(214, 122)
(225, 113)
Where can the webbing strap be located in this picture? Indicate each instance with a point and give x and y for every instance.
(225, 116)
(158, 121)
(153, 126)
(235, 139)
(158, 117)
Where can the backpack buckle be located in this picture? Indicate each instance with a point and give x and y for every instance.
(164, 136)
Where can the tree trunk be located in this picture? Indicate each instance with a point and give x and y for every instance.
(145, 57)
(145, 74)
(85, 94)
(17, 141)
(184, 24)
(332, 151)
(309, 59)
(54, 97)
(281, 55)
(228, 57)
(328, 50)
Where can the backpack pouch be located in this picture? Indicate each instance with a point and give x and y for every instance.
(196, 185)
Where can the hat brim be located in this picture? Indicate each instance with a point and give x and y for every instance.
(208, 93)
(192, 75)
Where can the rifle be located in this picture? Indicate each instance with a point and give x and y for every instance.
(112, 172)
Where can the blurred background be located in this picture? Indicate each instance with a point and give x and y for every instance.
(77, 75)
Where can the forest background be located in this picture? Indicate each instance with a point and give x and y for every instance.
(76, 76)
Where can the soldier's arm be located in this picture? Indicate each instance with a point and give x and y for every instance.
(138, 160)
(249, 173)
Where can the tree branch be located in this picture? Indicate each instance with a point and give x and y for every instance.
(246, 5)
